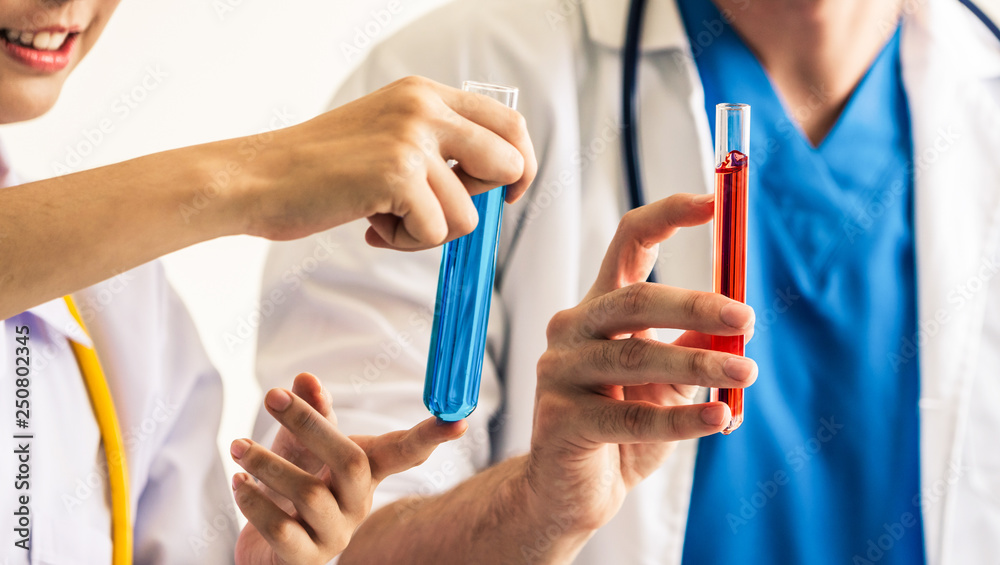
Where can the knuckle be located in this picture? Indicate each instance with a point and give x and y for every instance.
(314, 494)
(629, 219)
(636, 299)
(548, 365)
(697, 304)
(603, 357)
(305, 421)
(559, 325)
(520, 126)
(355, 466)
(670, 425)
(698, 362)
(633, 354)
(281, 531)
(413, 81)
(636, 418)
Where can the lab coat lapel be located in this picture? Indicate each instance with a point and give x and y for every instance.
(956, 220)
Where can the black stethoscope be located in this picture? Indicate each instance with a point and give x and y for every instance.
(630, 71)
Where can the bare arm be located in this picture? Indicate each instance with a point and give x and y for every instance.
(381, 157)
(611, 403)
(69, 232)
(490, 518)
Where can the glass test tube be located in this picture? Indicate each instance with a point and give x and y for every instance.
(462, 309)
(732, 150)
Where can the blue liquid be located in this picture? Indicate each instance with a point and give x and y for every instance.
(461, 313)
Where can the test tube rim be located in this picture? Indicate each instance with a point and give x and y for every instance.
(736, 106)
(489, 86)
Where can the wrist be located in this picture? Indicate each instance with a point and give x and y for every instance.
(210, 188)
(561, 526)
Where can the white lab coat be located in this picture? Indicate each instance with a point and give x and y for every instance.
(360, 317)
(168, 399)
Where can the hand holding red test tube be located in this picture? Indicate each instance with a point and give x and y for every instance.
(732, 150)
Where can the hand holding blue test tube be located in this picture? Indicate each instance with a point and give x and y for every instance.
(462, 309)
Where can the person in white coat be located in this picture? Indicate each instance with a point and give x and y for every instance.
(543, 474)
(383, 157)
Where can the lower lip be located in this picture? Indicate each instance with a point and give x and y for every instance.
(43, 61)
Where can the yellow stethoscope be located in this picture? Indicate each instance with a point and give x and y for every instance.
(114, 449)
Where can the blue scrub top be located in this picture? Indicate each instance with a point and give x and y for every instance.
(825, 467)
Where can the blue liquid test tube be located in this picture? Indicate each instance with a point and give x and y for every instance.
(462, 309)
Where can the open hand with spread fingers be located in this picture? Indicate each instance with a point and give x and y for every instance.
(315, 485)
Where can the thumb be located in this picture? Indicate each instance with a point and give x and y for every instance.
(396, 452)
(632, 252)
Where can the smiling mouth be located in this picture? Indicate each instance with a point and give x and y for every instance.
(38, 41)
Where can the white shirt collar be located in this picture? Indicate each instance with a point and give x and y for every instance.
(662, 26)
(57, 316)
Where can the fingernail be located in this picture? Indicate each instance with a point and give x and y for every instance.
(238, 480)
(739, 316)
(238, 448)
(278, 399)
(715, 414)
(704, 198)
(739, 368)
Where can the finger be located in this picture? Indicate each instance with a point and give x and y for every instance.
(459, 211)
(481, 153)
(286, 444)
(416, 222)
(309, 388)
(502, 121)
(474, 185)
(704, 341)
(350, 475)
(284, 534)
(381, 223)
(396, 452)
(310, 496)
(642, 305)
(633, 362)
(632, 252)
(605, 420)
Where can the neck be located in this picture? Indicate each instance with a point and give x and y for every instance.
(814, 51)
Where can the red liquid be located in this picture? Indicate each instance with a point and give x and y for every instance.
(730, 271)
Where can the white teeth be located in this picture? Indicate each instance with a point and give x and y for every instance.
(41, 41)
(56, 41)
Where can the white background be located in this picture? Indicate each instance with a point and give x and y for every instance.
(228, 65)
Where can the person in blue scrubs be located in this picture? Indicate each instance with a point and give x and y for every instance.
(826, 462)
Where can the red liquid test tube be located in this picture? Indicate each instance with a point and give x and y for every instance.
(732, 150)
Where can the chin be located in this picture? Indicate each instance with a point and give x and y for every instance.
(27, 99)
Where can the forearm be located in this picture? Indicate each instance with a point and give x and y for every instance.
(491, 518)
(63, 234)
